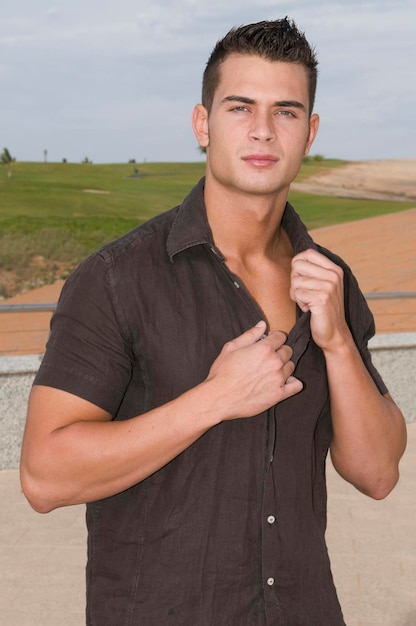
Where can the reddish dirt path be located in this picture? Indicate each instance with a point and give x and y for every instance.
(381, 251)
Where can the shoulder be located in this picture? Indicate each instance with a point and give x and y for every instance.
(144, 237)
(148, 237)
(107, 275)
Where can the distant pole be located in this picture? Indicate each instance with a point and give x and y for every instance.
(45, 154)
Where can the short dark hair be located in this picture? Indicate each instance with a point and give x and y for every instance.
(273, 40)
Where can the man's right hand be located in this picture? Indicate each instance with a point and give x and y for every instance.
(253, 373)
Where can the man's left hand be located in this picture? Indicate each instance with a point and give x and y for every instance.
(317, 286)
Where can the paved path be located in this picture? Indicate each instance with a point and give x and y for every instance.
(372, 547)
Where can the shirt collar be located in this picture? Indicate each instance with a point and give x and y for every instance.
(190, 226)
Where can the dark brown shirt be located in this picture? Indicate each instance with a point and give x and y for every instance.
(231, 532)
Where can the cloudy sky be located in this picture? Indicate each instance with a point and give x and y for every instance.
(117, 79)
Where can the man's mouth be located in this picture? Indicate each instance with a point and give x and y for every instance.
(260, 160)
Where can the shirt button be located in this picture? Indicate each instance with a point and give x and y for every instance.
(270, 581)
(271, 519)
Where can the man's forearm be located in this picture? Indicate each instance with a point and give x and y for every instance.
(92, 459)
(369, 432)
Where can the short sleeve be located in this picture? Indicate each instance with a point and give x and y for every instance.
(87, 352)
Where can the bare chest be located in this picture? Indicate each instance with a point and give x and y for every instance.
(269, 287)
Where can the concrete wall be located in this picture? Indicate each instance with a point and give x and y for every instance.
(395, 358)
(393, 355)
(16, 376)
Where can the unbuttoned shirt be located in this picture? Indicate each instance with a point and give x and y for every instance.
(230, 532)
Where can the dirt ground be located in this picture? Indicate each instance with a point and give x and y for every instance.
(381, 252)
(378, 180)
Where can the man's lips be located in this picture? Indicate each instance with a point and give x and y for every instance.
(260, 160)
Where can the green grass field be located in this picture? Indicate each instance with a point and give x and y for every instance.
(52, 215)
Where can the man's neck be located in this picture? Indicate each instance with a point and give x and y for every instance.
(243, 225)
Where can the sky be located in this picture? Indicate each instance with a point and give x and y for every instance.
(117, 80)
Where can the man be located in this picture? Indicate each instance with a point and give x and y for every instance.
(199, 368)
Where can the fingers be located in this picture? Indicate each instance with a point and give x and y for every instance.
(314, 258)
(253, 372)
(275, 339)
(314, 272)
(256, 355)
(291, 387)
(316, 266)
(249, 337)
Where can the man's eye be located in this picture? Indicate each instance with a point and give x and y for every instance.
(285, 113)
(239, 108)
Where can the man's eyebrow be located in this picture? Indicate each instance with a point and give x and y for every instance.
(287, 104)
(290, 104)
(241, 99)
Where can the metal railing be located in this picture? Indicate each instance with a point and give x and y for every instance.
(51, 306)
(25, 308)
(389, 295)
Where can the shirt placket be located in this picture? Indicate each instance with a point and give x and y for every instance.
(268, 557)
(298, 339)
(270, 534)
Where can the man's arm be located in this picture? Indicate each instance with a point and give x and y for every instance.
(74, 452)
(369, 432)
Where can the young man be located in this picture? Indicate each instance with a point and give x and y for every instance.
(199, 368)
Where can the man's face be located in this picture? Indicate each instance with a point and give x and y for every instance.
(259, 126)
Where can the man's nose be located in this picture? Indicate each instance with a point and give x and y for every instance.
(262, 128)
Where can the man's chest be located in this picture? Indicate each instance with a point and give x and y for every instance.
(179, 327)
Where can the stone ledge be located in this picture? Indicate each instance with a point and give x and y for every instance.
(393, 341)
(28, 364)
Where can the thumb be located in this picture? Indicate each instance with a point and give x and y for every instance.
(250, 336)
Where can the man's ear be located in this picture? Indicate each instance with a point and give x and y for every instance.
(313, 131)
(200, 125)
